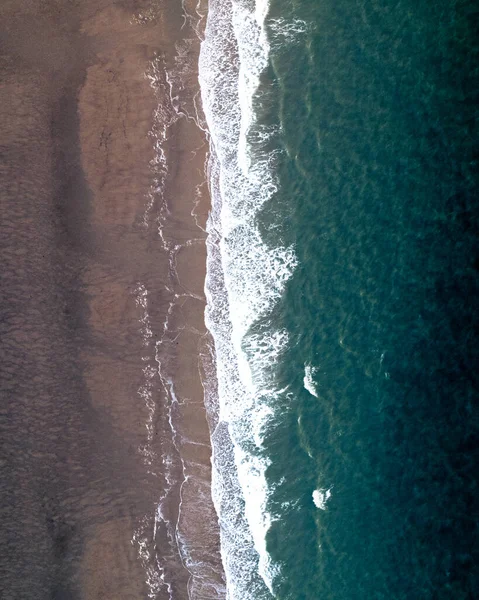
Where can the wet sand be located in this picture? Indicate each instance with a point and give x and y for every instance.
(103, 203)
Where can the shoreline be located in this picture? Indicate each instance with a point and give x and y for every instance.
(172, 325)
(131, 448)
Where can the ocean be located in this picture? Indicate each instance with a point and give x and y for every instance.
(342, 287)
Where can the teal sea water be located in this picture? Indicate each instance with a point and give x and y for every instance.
(343, 296)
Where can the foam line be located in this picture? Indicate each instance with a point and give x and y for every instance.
(245, 280)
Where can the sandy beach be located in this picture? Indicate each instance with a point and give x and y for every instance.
(105, 445)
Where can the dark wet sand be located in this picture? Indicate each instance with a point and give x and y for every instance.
(80, 470)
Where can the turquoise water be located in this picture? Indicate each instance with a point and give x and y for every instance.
(348, 375)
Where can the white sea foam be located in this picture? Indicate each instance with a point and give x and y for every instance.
(170, 80)
(308, 380)
(245, 279)
(290, 31)
(321, 497)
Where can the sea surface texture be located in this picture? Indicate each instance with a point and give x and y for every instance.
(342, 293)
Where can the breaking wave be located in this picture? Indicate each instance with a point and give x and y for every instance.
(246, 278)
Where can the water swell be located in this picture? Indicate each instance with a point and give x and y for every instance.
(245, 279)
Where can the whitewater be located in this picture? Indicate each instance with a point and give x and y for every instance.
(245, 280)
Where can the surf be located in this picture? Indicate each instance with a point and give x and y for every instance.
(245, 280)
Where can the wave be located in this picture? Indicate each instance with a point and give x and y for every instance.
(245, 279)
(321, 497)
(308, 381)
